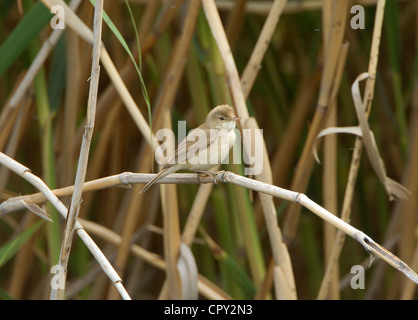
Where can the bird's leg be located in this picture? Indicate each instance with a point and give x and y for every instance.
(205, 173)
(209, 173)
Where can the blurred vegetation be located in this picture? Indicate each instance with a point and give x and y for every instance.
(44, 134)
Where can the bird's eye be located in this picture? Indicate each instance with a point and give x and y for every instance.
(221, 118)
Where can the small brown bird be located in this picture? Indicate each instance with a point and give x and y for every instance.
(204, 147)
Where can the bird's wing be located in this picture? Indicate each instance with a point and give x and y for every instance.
(197, 140)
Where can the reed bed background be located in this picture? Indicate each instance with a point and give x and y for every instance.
(287, 67)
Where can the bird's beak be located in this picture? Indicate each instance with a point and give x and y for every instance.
(235, 118)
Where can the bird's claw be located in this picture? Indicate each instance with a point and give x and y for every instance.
(210, 173)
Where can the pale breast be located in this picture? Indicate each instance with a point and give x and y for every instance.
(217, 152)
(225, 141)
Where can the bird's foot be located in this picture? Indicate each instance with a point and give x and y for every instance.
(209, 173)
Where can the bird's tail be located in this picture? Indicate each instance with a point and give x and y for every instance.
(159, 176)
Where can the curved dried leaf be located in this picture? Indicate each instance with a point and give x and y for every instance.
(36, 210)
(393, 188)
(332, 130)
(188, 273)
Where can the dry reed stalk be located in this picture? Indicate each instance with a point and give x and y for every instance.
(355, 160)
(206, 287)
(264, 288)
(108, 133)
(127, 99)
(65, 164)
(9, 113)
(285, 152)
(85, 13)
(132, 213)
(123, 179)
(330, 197)
(117, 51)
(108, 99)
(210, 290)
(264, 7)
(409, 289)
(19, 124)
(306, 161)
(38, 62)
(365, 263)
(171, 228)
(405, 211)
(371, 246)
(127, 72)
(219, 35)
(166, 15)
(195, 214)
(8, 125)
(163, 103)
(100, 152)
(22, 266)
(228, 177)
(235, 21)
(78, 26)
(330, 155)
(329, 186)
(118, 145)
(254, 64)
(147, 20)
(330, 172)
(177, 61)
(74, 209)
(132, 216)
(26, 174)
(326, 12)
(255, 262)
(284, 276)
(247, 81)
(146, 241)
